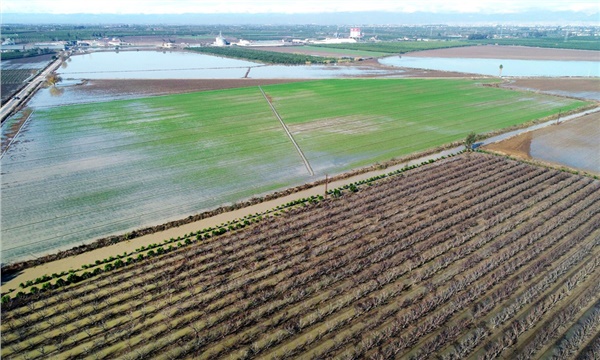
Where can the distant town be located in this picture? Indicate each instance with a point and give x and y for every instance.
(19, 39)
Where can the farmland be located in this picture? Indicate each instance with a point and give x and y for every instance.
(474, 256)
(400, 47)
(353, 123)
(13, 80)
(85, 171)
(270, 57)
(16, 76)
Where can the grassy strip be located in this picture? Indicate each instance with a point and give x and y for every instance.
(554, 43)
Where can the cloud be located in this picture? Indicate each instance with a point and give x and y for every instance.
(287, 7)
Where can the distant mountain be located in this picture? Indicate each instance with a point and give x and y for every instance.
(344, 18)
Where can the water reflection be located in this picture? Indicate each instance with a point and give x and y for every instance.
(509, 67)
(187, 65)
(56, 91)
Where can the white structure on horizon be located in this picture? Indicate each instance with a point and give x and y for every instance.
(220, 40)
(115, 42)
(333, 41)
(355, 33)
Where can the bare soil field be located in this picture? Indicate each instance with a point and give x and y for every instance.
(510, 52)
(584, 88)
(475, 256)
(176, 86)
(173, 86)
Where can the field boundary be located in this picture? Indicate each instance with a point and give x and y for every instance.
(289, 134)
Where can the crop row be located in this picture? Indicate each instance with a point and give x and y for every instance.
(15, 76)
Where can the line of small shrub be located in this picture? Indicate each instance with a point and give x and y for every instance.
(116, 262)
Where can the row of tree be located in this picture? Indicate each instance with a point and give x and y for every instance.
(270, 57)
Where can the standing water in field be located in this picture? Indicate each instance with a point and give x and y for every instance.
(510, 67)
(80, 172)
(188, 65)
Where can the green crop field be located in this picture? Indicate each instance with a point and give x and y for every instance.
(395, 47)
(81, 172)
(341, 51)
(351, 123)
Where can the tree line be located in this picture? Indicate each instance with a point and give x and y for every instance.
(270, 57)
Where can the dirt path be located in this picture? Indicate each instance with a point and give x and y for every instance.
(289, 134)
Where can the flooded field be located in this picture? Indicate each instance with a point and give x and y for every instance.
(491, 67)
(75, 173)
(187, 65)
(79, 172)
(584, 88)
(573, 144)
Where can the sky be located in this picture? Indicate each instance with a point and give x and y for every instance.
(292, 6)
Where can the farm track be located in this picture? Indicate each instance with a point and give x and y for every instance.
(404, 267)
(287, 131)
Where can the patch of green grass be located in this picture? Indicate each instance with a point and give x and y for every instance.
(578, 43)
(398, 47)
(356, 122)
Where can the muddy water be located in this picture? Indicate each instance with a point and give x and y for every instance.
(187, 65)
(574, 143)
(510, 67)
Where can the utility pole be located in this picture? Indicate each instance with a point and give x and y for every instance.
(326, 180)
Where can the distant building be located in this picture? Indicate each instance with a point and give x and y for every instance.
(355, 33)
(220, 40)
(114, 42)
(333, 41)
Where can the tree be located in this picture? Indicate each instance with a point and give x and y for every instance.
(470, 140)
(53, 79)
(500, 72)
